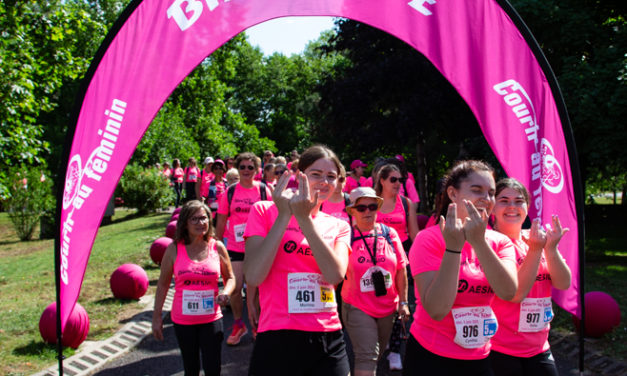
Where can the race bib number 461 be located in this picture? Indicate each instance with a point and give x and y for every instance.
(309, 293)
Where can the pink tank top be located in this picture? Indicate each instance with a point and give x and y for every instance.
(196, 287)
(397, 219)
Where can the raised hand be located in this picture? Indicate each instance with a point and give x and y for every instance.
(554, 233)
(476, 223)
(452, 229)
(281, 197)
(537, 237)
(302, 203)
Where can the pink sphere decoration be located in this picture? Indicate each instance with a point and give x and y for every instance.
(602, 314)
(175, 217)
(157, 249)
(76, 327)
(170, 230)
(129, 281)
(176, 211)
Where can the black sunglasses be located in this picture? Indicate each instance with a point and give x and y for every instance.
(363, 208)
(242, 167)
(279, 172)
(394, 179)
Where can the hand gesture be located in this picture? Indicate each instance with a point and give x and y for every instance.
(554, 233)
(536, 237)
(157, 328)
(281, 196)
(476, 223)
(452, 229)
(302, 203)
(222, 299)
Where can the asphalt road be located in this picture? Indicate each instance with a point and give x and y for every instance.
(152, 357)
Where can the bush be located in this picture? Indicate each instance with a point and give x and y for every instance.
(144, 189)
(30, 196)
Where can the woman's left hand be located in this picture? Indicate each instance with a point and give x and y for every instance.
(302, 203)
(475, 225)
(554, 233)
(403, 313)
(222, 299)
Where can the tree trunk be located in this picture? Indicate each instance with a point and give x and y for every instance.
(421, 175)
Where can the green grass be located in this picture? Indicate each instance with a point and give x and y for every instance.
(27, 286)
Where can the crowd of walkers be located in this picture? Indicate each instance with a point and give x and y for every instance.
(320, 251)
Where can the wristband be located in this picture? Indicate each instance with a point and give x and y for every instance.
(451, 251)
(403, 303)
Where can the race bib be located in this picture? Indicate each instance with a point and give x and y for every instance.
(239, 232)
(474, 326)
(309, 293)
(366, 284)
(535, 314)
(192, 177)
(198, 302)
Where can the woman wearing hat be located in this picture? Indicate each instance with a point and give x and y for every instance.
(375, 288)
(355, 178)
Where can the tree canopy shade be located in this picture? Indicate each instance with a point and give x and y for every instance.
(505, 82)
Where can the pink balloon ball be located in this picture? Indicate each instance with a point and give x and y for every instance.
(157, 249)
(76, 327)
(175, 217)
(176, 211)
(170, 230)
(129, 281)
(602, 314)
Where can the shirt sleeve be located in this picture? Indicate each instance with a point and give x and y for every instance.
(257, 224)
(398, 250)
(427, 250)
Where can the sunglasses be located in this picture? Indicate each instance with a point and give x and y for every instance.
(242, 167)
(279, 172)
(363, 208)
(394, 179)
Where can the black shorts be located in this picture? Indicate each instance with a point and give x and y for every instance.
(542, 364)
(295, 352)
(236, 256)
(420, 361)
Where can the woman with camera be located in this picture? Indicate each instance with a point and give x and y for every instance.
(375, 288)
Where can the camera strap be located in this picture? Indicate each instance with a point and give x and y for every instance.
(373, 255)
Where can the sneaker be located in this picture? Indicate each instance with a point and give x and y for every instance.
(236, 335)
(395, 361)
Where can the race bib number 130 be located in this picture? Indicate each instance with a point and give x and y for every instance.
(309, 293)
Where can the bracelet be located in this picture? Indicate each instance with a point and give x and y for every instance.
(451, 251)
(403, 303)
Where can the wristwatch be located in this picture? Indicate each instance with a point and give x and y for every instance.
(403, 303)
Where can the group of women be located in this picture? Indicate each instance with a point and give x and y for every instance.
(482, 296)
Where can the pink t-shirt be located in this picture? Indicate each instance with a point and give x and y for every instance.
(411, 188)
(237, 214)
(196, 287)
(397, 219)
(178, 174)
(192, 174)
(509, 340)
(357, 289)
(294, 266)
(474, 291)
(336, 209)
(351, 183)
(205, 179)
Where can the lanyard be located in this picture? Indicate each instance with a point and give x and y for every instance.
(373, 255)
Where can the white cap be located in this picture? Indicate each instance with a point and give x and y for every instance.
(208, 160)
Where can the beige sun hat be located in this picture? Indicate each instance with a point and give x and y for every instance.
(361, 192)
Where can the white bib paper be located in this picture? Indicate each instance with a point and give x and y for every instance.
(309, 293)
(198, 302)
(474, 326)
(366, 284)
(239, 232)
(535, 314)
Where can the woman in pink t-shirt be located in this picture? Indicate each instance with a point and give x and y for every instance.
(521, 346)
(233, 209)
(458, 267)
(375, 289)
(399, 213)
(295, 255)
(196, 260)
(191, 177)
(177, 180)
(355, 178)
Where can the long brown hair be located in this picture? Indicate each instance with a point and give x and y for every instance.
(187, 211)
(384, 173)
(315, 152)
(454, 177)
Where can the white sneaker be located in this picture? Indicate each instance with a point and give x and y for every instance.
(395, 361)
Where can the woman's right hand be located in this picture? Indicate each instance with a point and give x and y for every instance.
(281, 197)
(452, 229)
(157, 327)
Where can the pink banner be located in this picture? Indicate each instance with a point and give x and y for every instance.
(474, 44)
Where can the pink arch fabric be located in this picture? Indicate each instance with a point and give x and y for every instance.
(475, 45)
